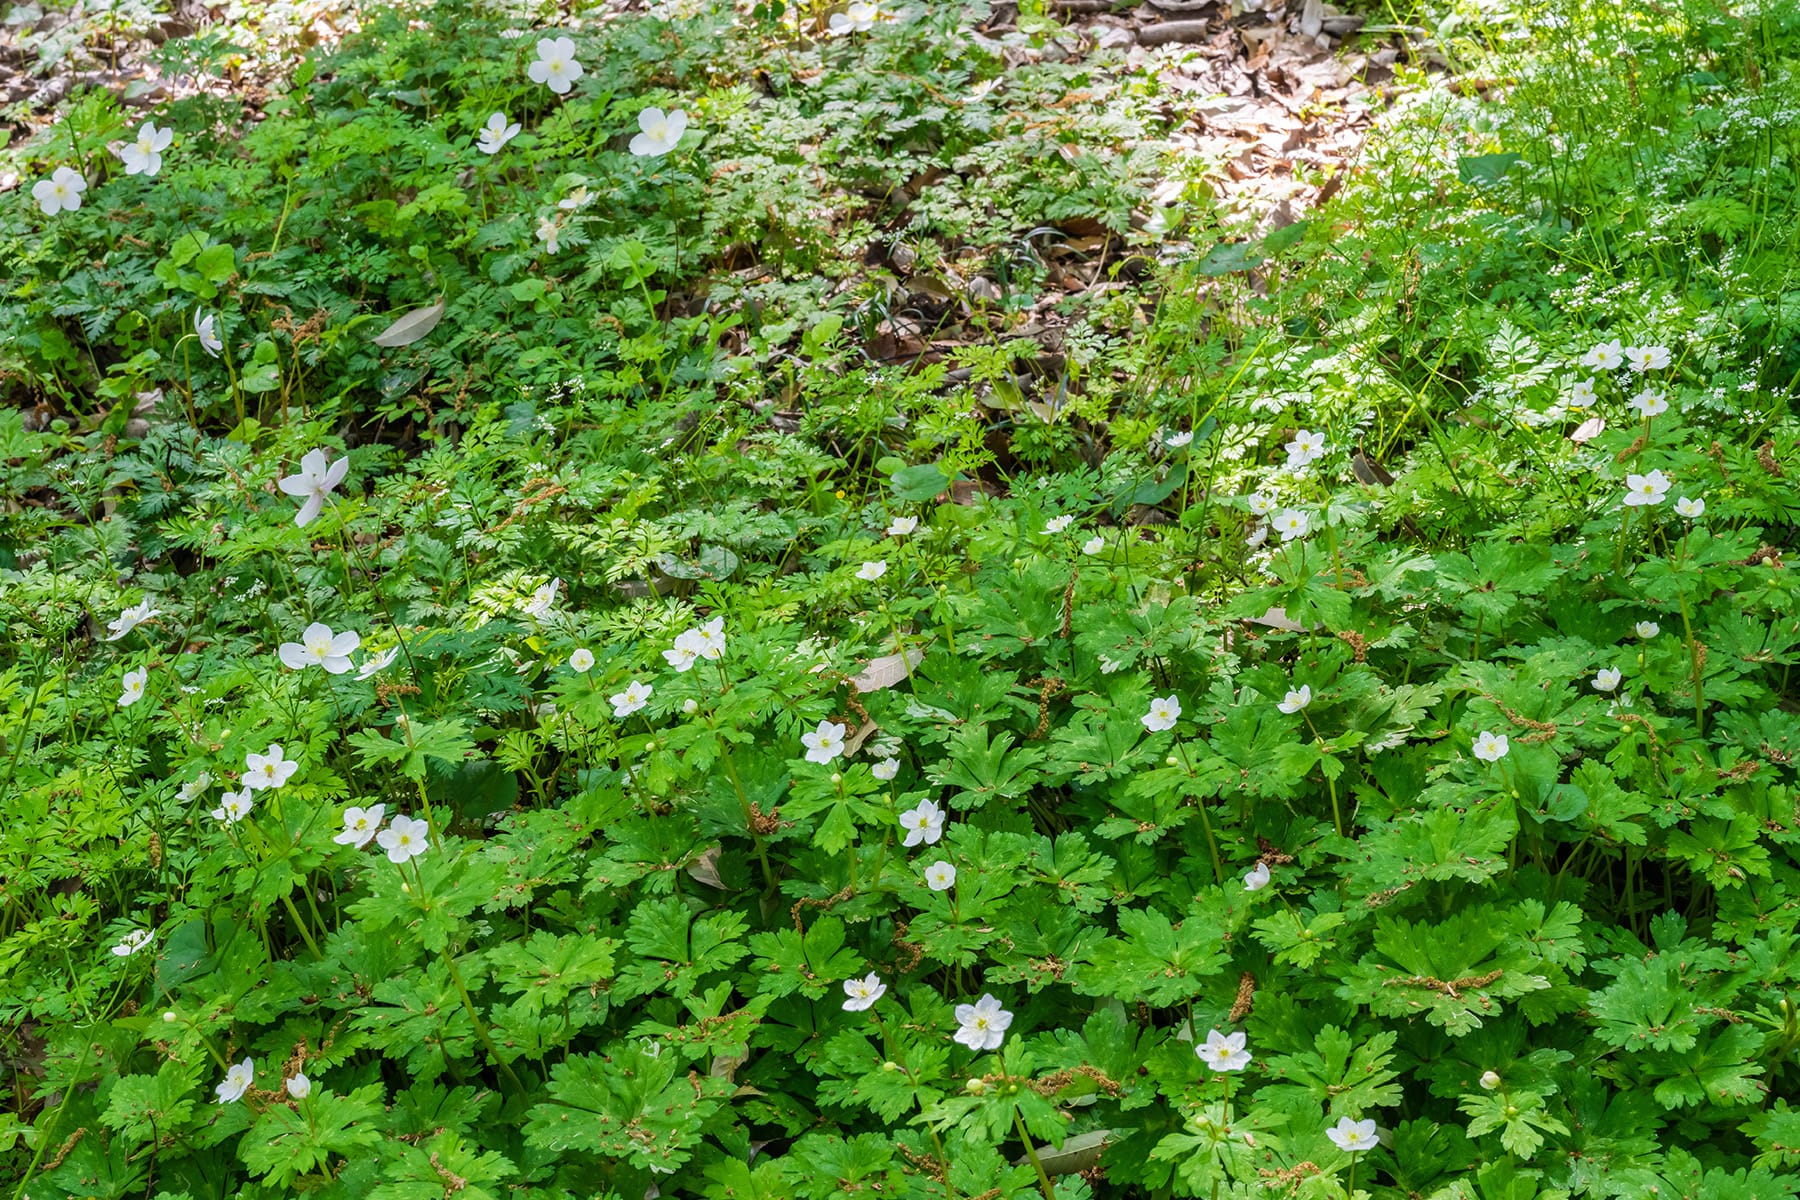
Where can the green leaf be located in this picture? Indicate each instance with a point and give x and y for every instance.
(626, 1104)
(286, 1143)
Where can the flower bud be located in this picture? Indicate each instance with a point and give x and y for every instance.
(975, 1087)
(690, 706)
(891, 1065)
(836, 778)
(1490, 1080)
(1171, 761)
(170, 1016)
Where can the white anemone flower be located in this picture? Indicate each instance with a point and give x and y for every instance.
(314, 481)
(1491, 747)
(360, 825)
(661, 132)
(144, 156)
(824, 743)
(1224, 1051)
(1646, 490)
(59, 193)
(1058, 524)
(1647, 629)
(869, 572)
(407, 837)
(1690, 507)
(635, 696)
(1164, 712)
(132, 687)
(132, 942)
(1353, 1136)
(1649, 403)
(234, 807)
(1291, 523)
(495, 134)
(940, 876)
(1257, 877)
(377, 663)
(923, 824)
(582, 661)
(1306, 448)
(299, 1087)
(130, 619)
(268, 769)
(238, 1079)
(983, 1024)
(206, 328)
(886, 769)
(1607, 356)
(859, 16)
(1296, 699)
(1647, 358)
(860, 995)
(556, 66)
(318, 646)
(1608, 679)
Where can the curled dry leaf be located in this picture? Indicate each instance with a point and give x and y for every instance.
(411, 326)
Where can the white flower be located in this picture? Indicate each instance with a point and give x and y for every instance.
(859, 16)
(1490, 1080)
(861, 994)
(130, 619)
(1647, 358)
(318, 646)
(268, 769)
(578, 199)
(1291, 523)
(543, 598)
(690, 706)
(886, 769)
(132, 687)
(299, 1087)
(234, 807)
(1261, 504)
(495, 134)
(1257, 877)
(661, 132)
(1491, 747)
(207, 330)
(869, 572)
(1582, 394)
(1688, 506)
(682, 657)
(902, 526)
(376, 664)
(635, 696)
(1306, 448)
(1058, 524)
(59, 193)
(824, 743)
(237, 1081)
(314, 481)
(555, 67)
(1176, 441)
(513, 35)
(1256, 537)
(1296, 699)
(360, 825)
(1162, 715)
(582, 660)
(1607, 356)
(1608, 678)
(144, 156)
(940, 876)
(923, 824)
(1352, 1135)
(1647, 629)
(193, 787)
(547, 232)
(1224, 1051)
(1649, 404)
(1094, 545)
(407, 837)
(983, 1023)
(132, 942)
(1642, 490)
(708, 640)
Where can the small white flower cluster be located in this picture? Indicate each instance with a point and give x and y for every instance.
(405, 837)
(262, 772)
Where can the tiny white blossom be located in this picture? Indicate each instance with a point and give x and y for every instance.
(268, 769)
(635, 696)
(1163, 714)
(1353, 1135)
(59, 193)
(1256, 537)
(1257, 877)
(1581, 395)
(1607, 356)
(983, 1024)
(923, 824)
(1176, 441)
(886, 769)
(556, 67)
(144, 156)
(237, 1081)
(1647, 629)
(1296, 699)
(1649, 403)
(1690, 507)
(940, 876)
(1491, 747)
(860, 995)
(132, 942)
(902, 526)
(360, 825)
(377, 663)
(1306, 448)
(496, 133)
(1058, 524)
(1490, 1080)
(1224, 1051)
(192, 789)
(582, 660)
(130, 619)
(824, 743)
(1608, 679)
(406, 837)
(318, 646)
(1647, 358)
(548, 231)
(132, 687)
(315, 481)
(1261, 503)
(234, 807)
(869, 572)
(206, 328)
(299, 1087)
(661, 132)
(1094, 545)
(543, 599)
(859, 16)
(1291, 523)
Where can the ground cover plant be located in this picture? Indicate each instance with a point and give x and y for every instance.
(570, 634)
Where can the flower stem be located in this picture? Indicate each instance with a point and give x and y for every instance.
(1044, 1183)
